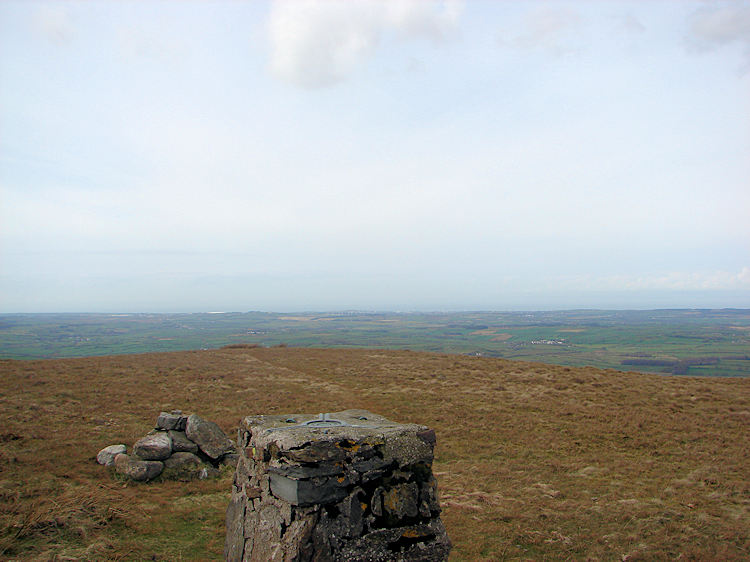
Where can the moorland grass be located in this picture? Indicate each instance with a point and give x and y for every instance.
(533, 461)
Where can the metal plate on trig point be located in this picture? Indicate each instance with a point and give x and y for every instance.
(324, 421)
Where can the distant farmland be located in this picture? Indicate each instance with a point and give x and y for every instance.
(676, 342)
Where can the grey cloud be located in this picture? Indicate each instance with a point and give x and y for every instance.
(717, 26)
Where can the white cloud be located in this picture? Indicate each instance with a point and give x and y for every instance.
(550, 28)
(54, 22)
(716, 26)
(316, 43)
(419, 18)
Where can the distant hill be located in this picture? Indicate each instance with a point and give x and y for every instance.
(534, 461)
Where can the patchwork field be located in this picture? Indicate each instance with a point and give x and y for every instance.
(534, 461)
(679, 342)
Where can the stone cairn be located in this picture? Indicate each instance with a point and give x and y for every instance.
(181, 447)
(345, 486)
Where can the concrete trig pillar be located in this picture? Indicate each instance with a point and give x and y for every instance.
(344, 486)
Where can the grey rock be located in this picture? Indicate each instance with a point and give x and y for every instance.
(181, 459)
(181, 466)
(208, 436)
(413, 543)
(245, 468)
(186, 466)
(351, 510)
(371, 475)
(234, 547)
(107, 455)
(376, 503)
(181, 444)
(324, 538)
(318, 451)
(155, 447)
(229, 459)
(371, 469)
(136, 469)
(428, 497)
(428, 436)
(370, 464)
(401, 501)
(296, 542)
(249, 525)
(267, 534)
(167, 421)
(298, 472)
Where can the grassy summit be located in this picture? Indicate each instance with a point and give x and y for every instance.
(532, 460)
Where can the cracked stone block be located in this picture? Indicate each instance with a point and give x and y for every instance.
(310, 491)
(344, 486)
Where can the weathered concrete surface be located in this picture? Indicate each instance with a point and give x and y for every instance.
(307, 488)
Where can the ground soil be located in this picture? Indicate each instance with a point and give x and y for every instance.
(533, 461)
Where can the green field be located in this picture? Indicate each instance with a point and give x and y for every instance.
(694, 342)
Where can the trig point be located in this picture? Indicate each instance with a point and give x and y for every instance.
(343, 486)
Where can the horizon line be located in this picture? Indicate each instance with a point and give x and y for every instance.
(387, 311)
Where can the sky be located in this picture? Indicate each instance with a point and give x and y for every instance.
(374, 155)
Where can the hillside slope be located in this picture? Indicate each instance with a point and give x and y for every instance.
(533, 460)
